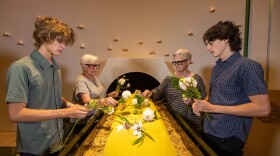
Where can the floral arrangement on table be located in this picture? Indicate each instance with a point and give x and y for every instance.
(189, 90)
(121, 82)
(138, 102)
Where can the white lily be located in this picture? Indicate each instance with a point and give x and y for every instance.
(137, 129)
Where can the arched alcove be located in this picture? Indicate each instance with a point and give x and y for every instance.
(137, 80)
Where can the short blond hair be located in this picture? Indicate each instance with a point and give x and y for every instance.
(87, 58)
(184, 52)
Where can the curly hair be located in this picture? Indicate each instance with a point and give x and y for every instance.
(223, 31)
(49, 29)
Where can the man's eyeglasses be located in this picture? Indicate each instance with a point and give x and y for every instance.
(176, 63)
(91, 66)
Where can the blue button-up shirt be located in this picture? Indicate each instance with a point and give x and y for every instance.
(232, 81)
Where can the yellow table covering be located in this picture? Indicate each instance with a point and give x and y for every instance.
(120, 143)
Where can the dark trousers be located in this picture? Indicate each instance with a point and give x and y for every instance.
(231, 146)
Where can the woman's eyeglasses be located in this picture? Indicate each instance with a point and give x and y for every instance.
(176, 63)
(91, 66)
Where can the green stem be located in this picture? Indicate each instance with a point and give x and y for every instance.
(70, 132)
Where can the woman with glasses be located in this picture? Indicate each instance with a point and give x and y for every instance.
(173, 96)
(87, 86)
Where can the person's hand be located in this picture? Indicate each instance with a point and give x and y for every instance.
(201, 106)
(113, 94)
(75, 111)
(147, 93)
(108, 102)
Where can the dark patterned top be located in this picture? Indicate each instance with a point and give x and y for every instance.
(232, 81)
(174, 99)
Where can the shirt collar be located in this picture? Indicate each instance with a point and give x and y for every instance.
(231, 59)
(42, 61)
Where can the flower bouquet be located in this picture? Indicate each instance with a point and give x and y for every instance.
(189, 90)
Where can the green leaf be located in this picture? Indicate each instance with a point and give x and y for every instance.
(138, 140)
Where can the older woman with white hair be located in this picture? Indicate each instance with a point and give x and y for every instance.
(182, 58)
(87, 87)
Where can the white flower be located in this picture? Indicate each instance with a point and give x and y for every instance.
(126, 94)
(194, 82)
(184, 83)
(148, 114)
(146, 102)
(134, 101)
(137, 129)
(122, 127)
(121, 81)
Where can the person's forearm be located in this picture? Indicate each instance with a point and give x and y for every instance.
(247, 110)
(258, 107)
(34, 115)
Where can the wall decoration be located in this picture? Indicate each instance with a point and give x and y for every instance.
(140, 42)
(166, 53)
(20, 42)
(110, 48)
(239, 25)
(124, 49)
(152, 52)
(190, 33)
(6, 34)
(81, 27)
(159, 41)
(115, 39)
(212, 10)
(82, 46)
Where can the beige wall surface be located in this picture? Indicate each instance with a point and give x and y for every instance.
(132, 22)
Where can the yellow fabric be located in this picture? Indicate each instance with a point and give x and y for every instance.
(119, 143)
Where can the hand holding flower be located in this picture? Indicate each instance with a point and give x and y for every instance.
(147, 94)
(113, 94)
(202, 106)
(108, 102)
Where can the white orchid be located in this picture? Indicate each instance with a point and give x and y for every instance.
(148, 115)
(126, 94)
(137, 129)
